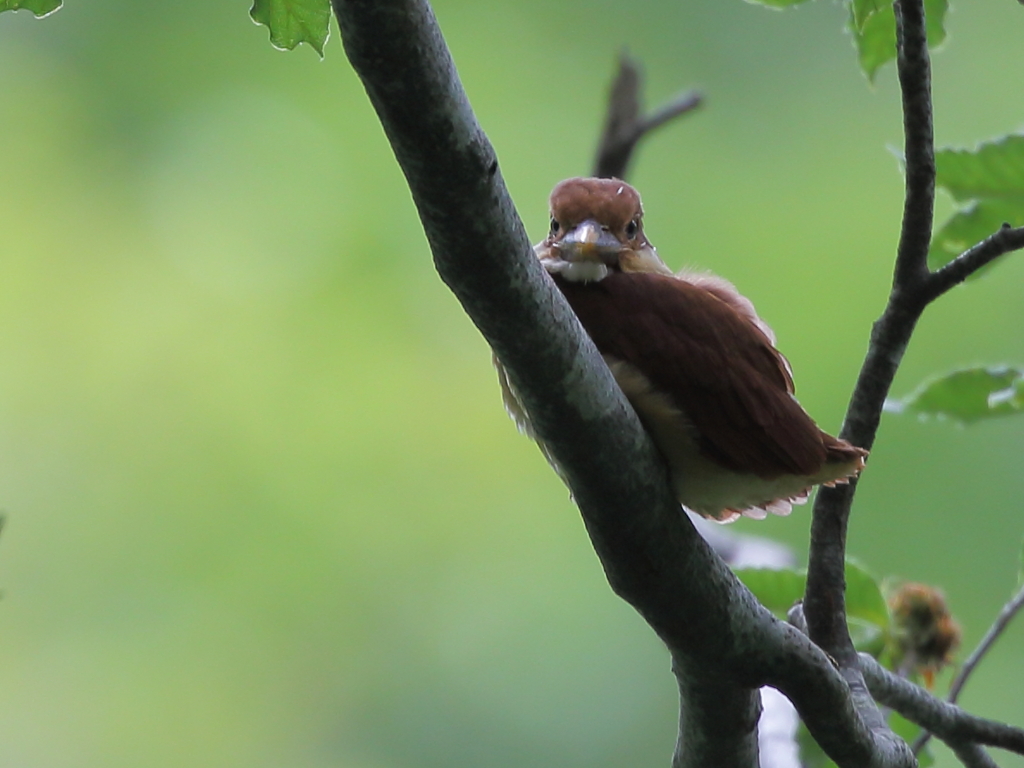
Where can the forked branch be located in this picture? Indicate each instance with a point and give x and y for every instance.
(824, 602)
(625, 124)
(913, 288)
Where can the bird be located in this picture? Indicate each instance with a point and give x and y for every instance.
(693, 358)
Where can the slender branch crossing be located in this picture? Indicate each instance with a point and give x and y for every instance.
(945, 720)
(1012, 607)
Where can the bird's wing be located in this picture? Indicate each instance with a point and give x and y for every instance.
(718, 367)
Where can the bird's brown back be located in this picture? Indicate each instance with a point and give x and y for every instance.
(724, 373)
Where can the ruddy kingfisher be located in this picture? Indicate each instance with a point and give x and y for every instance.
(689, 352)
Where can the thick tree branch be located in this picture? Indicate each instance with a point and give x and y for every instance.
(724, 644)
(834, 705)
(713, 730)
(844, 693)
(947, 721)
(625, 125)
(652, 554)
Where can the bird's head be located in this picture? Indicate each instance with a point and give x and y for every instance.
(597, 228)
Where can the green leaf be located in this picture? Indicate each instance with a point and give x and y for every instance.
(777, 589)
(777, 3)
(967, 395)
(294, 21)
(864, 598)
(873, 26)
(994, 169)
(867, 637)
(862, 10)
(39, 7)
(867, 612)
(988, 183)
(968, 227)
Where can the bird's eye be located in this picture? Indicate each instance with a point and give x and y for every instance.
(631, 229)
(555, 226)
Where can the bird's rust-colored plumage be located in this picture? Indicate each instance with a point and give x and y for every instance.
(693, 358)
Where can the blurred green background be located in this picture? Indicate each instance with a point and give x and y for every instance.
(264, 506)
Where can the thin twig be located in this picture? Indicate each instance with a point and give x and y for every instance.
(972, 755)
(913, 289)
(625, 124)
(947, 721)
(998, 626)
(1004, 241)
(1006, 614)
(680, 105)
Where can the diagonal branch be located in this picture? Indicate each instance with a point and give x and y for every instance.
(1002, 621)
(652, 554)
(724, 644)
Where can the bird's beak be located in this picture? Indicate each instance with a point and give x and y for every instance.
(589, 241)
